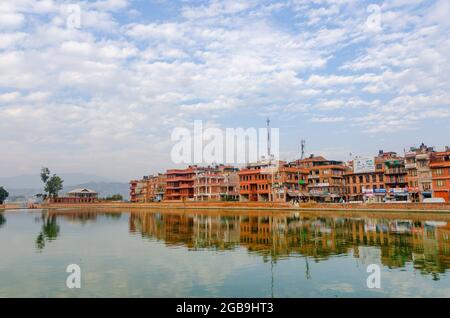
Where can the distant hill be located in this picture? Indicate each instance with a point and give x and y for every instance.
(33, 181)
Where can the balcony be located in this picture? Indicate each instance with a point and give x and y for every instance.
(395, 171)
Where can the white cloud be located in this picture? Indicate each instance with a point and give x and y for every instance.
(113, 88)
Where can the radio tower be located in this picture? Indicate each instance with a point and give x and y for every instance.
(268, 138)
(303, 142)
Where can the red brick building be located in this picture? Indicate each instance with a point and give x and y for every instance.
(440, 171)
(264, 181)
(325, 178)
(366, 186)
(180, 183)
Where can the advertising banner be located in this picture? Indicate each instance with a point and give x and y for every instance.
(363, 165)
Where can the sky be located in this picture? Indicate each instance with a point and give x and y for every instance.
(99, 86)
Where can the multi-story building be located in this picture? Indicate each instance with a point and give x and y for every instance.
(367, 185)
(325, 178)
(230, 186)
(202, 183)
(395, 176)
(156, 186)
(138, 190)
(273, 181)
(180, 183)
(440, 171)
(208, 186)
(417, 164)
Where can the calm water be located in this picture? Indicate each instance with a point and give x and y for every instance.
(219, 254)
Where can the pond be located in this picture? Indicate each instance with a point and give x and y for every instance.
(151, 253)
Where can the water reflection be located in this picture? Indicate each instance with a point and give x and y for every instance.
(424, 244)
(49, 230)
(2, 220)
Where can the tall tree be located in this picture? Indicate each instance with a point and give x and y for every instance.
(45, 174)
(3, 195)
(53, 186)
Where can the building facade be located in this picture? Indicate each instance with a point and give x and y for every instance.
(265, 181)
(417, 164)
(75, 196)
(138, 190)
(395, 176)
(156, 187)
(325, 178)
(440, 171)
(180, 183)
(367, 186)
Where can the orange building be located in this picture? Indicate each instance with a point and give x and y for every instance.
(180, 183)
(440, 171)
(266, 181)
(325, 179)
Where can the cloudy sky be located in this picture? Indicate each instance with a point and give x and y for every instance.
(103, 96)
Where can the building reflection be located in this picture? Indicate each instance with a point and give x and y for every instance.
(397, 242)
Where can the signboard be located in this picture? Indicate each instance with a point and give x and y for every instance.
(269, 170)
(399, 190)
(382, 191)
(363, 165)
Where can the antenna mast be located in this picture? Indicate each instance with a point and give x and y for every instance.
(268, 137)
(303, 142)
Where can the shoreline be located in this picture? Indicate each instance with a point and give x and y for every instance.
(441, 208)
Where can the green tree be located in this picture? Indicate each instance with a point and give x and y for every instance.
(3, 195)
(53, 186)
(45, 174)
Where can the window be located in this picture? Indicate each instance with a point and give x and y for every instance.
(381, 178)
(374, 178)
(354, 179)
(367, 178)
(441, 183)
(438, 172)
(360, 179)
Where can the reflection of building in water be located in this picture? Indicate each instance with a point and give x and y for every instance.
(194, 231)
(393, 243)
(83, 217)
